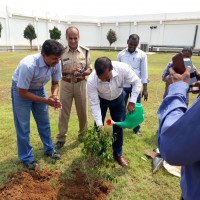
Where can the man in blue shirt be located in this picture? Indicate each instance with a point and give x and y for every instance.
(187, 53)
(28, 94)
(178, 135)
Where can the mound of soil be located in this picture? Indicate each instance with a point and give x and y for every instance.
(45, 185)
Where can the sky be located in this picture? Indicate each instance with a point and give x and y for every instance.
(101, 8)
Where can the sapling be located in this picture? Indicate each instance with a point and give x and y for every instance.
(97, 151)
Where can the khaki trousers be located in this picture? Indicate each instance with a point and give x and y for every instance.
(68, 92)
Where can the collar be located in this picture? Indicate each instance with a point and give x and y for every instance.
(136, 50)
(41, 62)
(114, 74)
(68, 49)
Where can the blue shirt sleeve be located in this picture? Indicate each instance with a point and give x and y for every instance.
(166, 71)
(179, 128)
(57, 73)
(25, 76)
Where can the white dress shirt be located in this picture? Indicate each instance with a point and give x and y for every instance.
(121, 74)
(138, 62)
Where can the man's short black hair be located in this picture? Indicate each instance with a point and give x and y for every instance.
(102, 64)
(134, 37)
(188, 49)
(52, 47)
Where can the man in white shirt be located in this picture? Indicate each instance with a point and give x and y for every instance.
(137, 59)
(105, 90)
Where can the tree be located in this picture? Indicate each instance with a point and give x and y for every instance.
(0, 28)
(55, 33)
(29, 33)
(111, 36)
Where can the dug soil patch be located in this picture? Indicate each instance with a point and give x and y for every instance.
(49, 185)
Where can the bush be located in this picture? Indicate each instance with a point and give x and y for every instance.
(0, 28)
(29, 33)
(55, 33)
(111, 36)
(98, 161)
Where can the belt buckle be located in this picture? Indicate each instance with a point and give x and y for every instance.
(74, 80)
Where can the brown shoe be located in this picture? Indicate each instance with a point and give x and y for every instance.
(121, 161)
(59, 145)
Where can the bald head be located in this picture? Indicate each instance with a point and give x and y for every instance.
(72, 36)
(73, 28)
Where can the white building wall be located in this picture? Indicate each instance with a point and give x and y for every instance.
(123, 34)
(175, 29)
(89, 33)
(177, 34)
(42, 30)
(17, 27)
(143, 31)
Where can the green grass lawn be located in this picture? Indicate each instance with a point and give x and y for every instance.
(134, 183)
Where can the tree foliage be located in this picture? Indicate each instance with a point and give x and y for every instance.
(29, 33)
(1, 27)
(55, 33)
(111, 36)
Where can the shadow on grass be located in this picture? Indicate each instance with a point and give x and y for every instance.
(69, 147)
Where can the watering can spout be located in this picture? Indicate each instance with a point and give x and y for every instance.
(132, 120)
(110, 122)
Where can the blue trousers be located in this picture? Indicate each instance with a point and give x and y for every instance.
(117, 109)
(21, 111)
(126, 96)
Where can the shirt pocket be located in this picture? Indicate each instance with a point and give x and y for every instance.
(81, 62)
(37, 82)
(125, 59)
(136, 63)
(67, 64)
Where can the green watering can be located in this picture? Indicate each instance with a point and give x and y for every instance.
(132, 120)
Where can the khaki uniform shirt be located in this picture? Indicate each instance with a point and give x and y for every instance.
(77, 58)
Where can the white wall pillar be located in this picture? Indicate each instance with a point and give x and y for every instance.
(162, 30)
(100, 34)
(37, 33)
(8, 26)
(117, 33)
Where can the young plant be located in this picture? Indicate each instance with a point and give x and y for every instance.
(97, 151)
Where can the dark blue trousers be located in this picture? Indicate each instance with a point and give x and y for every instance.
(117, 109)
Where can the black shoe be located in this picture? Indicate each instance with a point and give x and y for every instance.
(32, 166)
(59, 145)
(54, 156)
(138, 133)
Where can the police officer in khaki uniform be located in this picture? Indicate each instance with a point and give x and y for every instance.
(76, 65)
